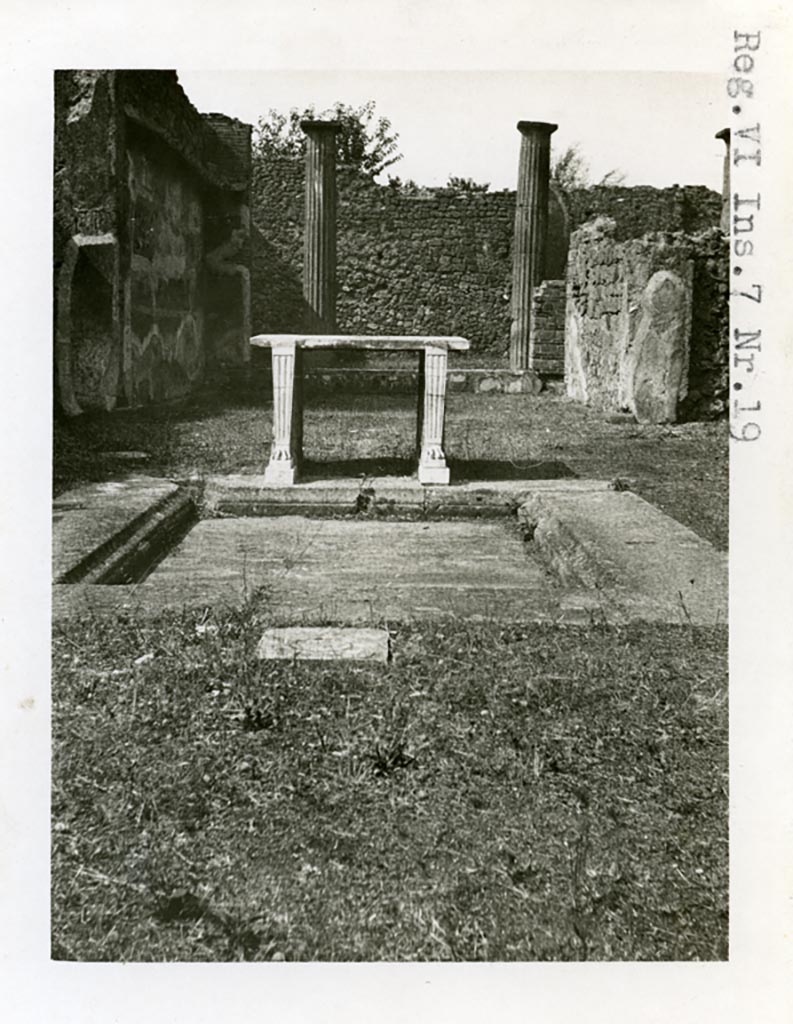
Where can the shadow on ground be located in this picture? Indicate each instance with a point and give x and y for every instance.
(462, 470)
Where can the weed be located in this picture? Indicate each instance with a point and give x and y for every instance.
(497, 793)
(508, 435)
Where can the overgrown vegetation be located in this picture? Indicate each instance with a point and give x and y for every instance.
(468, 185)
(364, 140)
(570, 170)
(494, 794)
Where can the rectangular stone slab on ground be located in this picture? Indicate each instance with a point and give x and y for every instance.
(323, 643)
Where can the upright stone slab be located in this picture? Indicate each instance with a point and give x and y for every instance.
(724, 134)
(319, 238)
(657, 370)
(531, 231)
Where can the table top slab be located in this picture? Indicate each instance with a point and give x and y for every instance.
(383, 343)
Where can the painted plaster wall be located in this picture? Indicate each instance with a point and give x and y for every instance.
(151, 240)
(163, 311)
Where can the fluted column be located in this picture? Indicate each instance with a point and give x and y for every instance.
(286, 451)
(531, 232)
(319, 236)
(725, 182)
(432, 461)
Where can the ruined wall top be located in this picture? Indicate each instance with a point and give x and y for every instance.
(235, 134)
(156, 101)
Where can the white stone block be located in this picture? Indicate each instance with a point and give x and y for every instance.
(433, 474)
(323, 643)
(280, 474)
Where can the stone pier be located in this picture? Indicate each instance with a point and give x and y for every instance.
(319, 238)
(724, 134)
(531, 231)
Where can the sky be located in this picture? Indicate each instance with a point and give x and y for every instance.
(657, 128)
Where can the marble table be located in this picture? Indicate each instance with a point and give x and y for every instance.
(287, 349)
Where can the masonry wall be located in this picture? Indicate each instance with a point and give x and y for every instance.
(151, 240)
(88, 141)
(227, 263)
(546, 332)
(434, 261)
(606, 278)
(641, 209)
(407, 264)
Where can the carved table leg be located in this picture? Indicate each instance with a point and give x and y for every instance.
(432, 461)
(286, 451)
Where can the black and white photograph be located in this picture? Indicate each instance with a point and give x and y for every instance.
(414, 458)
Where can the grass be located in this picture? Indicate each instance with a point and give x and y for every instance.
(681, 468)
(493, 794)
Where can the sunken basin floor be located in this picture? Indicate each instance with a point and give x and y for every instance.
(337, 570)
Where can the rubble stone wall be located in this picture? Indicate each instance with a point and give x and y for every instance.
(606, 313)
(431, 260)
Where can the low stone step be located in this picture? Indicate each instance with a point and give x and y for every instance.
(379, 496)
(112, 532)
(643, 564)
(404, 380)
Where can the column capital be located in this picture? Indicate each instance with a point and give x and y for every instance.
(312, 125)
(536, 127)
(723, 134)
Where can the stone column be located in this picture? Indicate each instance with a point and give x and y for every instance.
(531, 231)
(432, 461)
(725, 182)
(319, 236)
(287, 447)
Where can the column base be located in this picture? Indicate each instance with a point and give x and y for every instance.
(433, 473)
(280, 474)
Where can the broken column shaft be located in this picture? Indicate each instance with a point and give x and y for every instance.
(319, 237)
(724, 134)
(531, 231)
